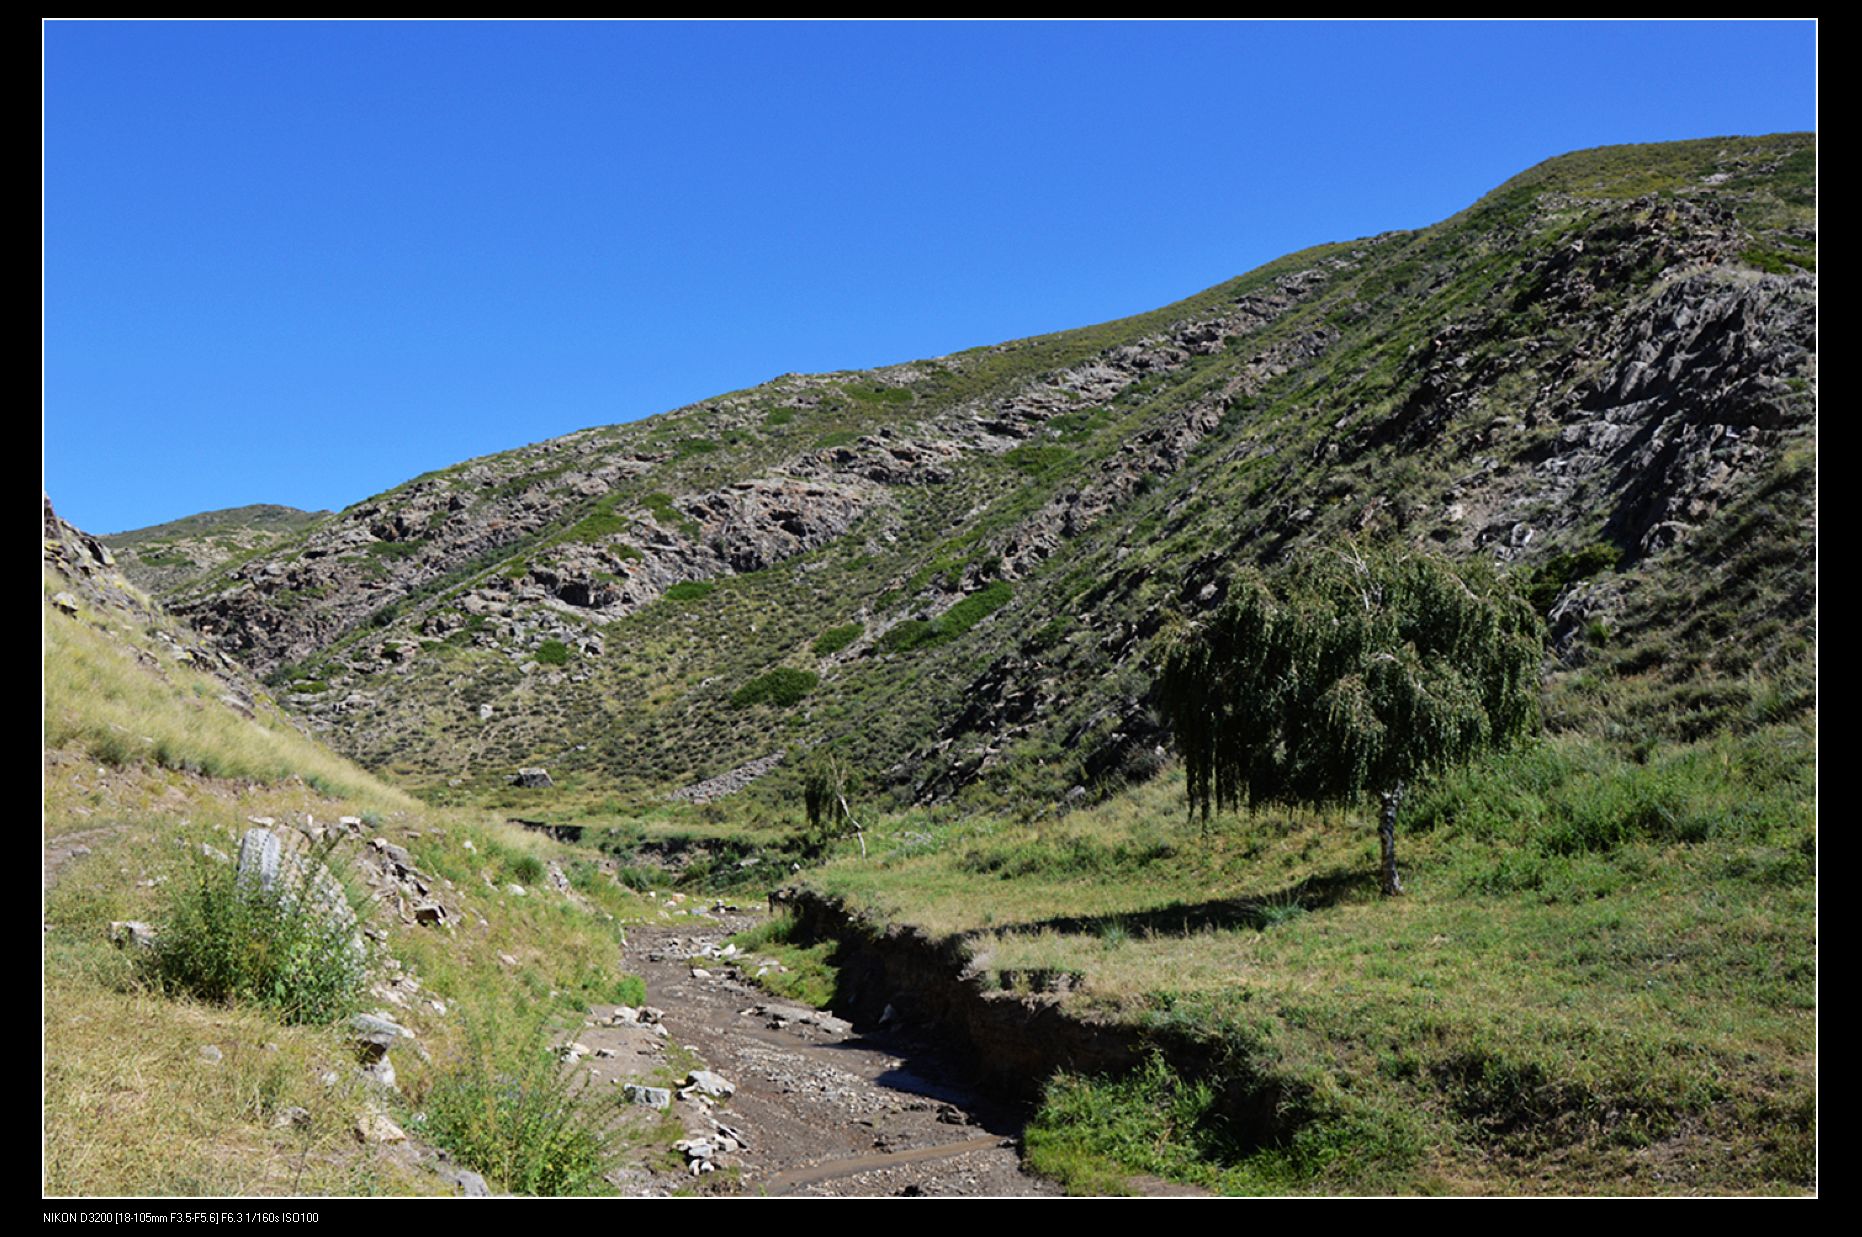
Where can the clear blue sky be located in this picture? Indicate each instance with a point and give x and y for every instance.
(303, 262)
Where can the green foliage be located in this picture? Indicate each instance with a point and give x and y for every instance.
(506, 1107)
(1779, 261)
(810, 979)
(1092, 1133)
(834, 639)
(288, 948)
(1547, 581)
(662, 509)
(921, 633)
(1354, 671)
(874, 393)
(911, 634)
(779, 416)
(528, 869)
(690, 590)
(781, 687)
(553, 653)
(1038, 461)
(599, 523)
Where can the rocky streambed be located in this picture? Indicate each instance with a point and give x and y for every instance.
(797, 1101)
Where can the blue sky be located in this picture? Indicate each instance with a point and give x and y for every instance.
(303, 262)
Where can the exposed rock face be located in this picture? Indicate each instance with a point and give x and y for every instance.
(756, 524)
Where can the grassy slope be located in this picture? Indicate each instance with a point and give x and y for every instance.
(165, 558)
(1601, 980)
(142, 764)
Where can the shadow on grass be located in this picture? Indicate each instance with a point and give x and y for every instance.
(1182, 919)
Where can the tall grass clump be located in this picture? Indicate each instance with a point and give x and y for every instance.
(507, 1107)
(293, 947)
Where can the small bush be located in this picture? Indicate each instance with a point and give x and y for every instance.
(782, 687)
(553, 653)
(834, 639)
(287, 947)
(918, 633)
(690, 590)
(527, 869)
(507, 1108)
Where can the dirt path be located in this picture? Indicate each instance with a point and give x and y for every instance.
(823, 1110)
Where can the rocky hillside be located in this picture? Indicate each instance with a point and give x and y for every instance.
(163, 558)
(1602, 373)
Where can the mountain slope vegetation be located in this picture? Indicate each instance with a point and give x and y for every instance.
(1601, 373)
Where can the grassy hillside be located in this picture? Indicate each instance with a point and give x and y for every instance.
(1601, 375)
(1601, 980)
(154, 762)
(163, 558)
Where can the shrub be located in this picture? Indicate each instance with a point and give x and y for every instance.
(690, 590)
(834, 639)
(507, 1108)
(918, 633)
(553, 653)
(782, 687)
(290, 948)
(527, 869)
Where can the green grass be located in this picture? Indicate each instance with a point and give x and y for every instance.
(553, 653)
(507, 1107)
(691, 590)
(810, 978)
(1602, 963)
(286, 949)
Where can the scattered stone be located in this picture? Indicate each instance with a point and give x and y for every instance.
(533, 779)
(132, 934)
(375, 1034)
(292, 1118)
(652, 1097)
(374, 1126)
(469, 1183)
(515, 890)
(705, 1082)
(211, 1054)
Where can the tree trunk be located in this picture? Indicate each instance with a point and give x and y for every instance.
(1386, 833)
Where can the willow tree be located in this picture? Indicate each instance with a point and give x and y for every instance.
(1350, 673)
